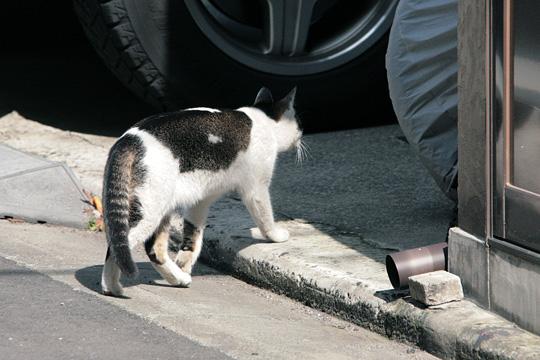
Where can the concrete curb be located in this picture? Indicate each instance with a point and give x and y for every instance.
(302, 269)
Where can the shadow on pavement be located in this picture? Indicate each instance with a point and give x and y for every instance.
(90, 277)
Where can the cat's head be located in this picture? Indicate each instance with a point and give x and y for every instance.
(282, 112)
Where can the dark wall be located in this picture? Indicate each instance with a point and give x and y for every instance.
(27, 25)
(50, 73)
(472, 116)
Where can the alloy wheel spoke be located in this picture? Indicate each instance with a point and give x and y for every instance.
(287, 24)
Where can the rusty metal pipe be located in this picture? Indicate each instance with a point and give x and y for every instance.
(403, 264)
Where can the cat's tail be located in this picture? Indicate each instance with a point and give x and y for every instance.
(121, 173)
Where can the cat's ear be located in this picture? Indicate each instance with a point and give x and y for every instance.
(289, 100)
(287, 103)
(264, 96)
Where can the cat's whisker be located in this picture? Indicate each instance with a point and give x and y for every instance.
(307, 153)
(299, 154)
(306, 145)
(304, 150)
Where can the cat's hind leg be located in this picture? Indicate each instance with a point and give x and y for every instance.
(194, 224)
(156, 248)
(110, 277)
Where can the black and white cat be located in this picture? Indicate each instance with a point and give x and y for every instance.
(186, 160)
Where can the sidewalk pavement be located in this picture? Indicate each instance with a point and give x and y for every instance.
(361, 195)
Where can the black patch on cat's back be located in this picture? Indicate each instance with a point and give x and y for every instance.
(186, 133)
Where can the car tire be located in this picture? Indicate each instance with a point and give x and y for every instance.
(171, 64)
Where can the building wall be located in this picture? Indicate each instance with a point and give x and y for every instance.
(496, 274)
(471, 116)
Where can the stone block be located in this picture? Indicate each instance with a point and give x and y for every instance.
(435, 288)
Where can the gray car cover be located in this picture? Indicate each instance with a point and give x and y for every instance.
(422, 75)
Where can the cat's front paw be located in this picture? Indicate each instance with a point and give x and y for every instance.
(173, 274)
(278, 234)
(184, 260)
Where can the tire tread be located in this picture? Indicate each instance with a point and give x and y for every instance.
(110, 32)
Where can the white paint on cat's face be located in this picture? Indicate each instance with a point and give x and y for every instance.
(287, 128)
(203, 109)
(214, 139)
(285, 132)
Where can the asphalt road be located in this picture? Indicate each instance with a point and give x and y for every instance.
(45, 319)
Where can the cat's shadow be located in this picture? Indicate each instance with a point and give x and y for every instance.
(90, 277)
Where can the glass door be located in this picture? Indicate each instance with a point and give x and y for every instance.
(517, 124)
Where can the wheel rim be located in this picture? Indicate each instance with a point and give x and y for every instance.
(300, 37)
